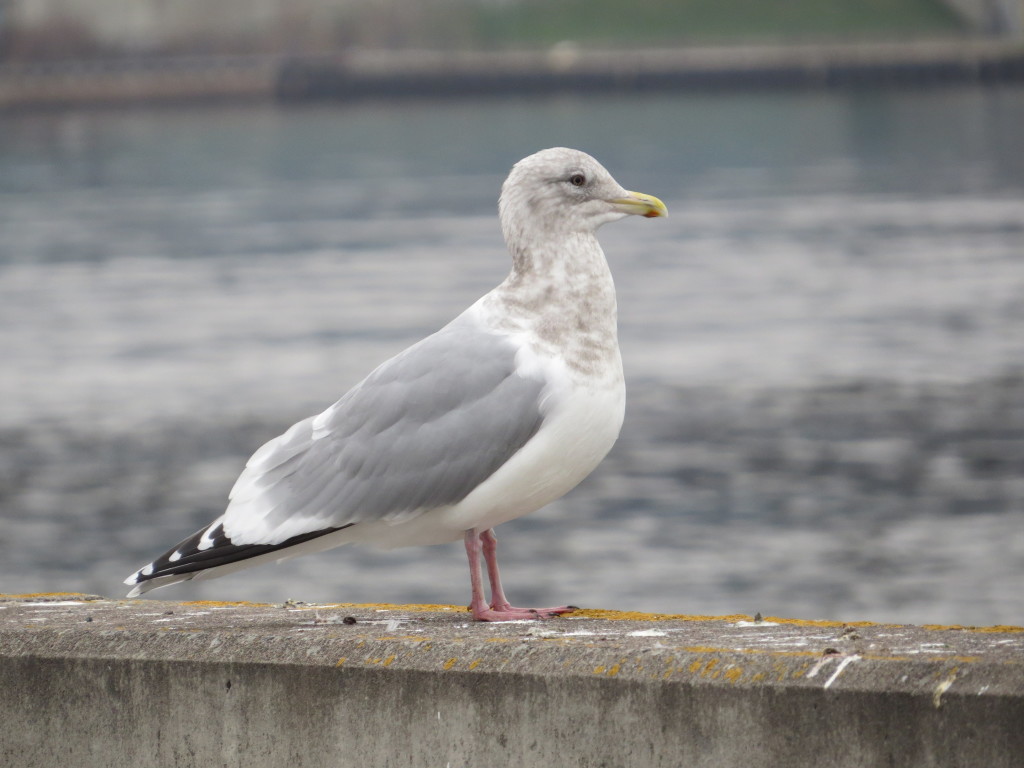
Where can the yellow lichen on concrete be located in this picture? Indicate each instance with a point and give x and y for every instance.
(769, 652)
(942, 687)
(411, 607)
(709, 669)
(37, 595)
(599, 613)
(999, 628)
(802, 669)
(821, 622)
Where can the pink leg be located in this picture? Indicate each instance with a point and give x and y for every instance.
(499, 608)
(498, 599)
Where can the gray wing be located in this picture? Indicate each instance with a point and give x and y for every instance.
(420, 432)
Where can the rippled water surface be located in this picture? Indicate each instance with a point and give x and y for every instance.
(824, 343)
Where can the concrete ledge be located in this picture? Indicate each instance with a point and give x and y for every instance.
(90, 681)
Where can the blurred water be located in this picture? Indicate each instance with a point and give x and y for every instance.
(824, 343)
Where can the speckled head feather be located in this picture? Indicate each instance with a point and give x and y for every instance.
(558, 193)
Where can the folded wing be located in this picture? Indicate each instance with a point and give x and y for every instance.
(419, 433)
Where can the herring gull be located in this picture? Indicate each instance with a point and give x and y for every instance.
(505, 409)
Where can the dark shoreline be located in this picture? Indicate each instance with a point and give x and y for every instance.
(365, 74)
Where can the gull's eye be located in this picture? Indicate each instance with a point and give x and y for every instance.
(577, 179)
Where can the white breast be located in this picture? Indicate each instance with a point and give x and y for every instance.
(583, 416)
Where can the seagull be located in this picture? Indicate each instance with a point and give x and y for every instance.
(502, 411)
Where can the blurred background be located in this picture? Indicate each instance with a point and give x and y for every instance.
(217, 216)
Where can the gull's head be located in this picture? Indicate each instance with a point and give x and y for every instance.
(566, 191)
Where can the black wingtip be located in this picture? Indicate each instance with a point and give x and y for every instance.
(190, 556)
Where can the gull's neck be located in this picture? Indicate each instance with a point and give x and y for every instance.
(561, 295)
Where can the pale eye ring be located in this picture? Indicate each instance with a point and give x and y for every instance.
(577, 179)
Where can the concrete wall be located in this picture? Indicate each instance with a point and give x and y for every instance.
(149, 683)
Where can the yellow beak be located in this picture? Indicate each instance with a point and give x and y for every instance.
(640, 204)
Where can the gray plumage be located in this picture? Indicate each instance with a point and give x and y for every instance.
(421, 431)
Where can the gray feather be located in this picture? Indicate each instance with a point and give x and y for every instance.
(420, 432)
